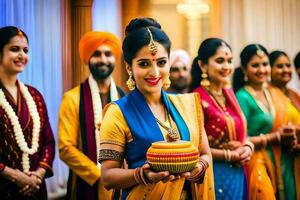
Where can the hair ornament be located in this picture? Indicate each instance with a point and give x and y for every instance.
(152, 46)
(259, 51)
(224, 45)
(20, 33)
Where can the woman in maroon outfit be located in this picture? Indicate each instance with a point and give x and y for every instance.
(27, 142)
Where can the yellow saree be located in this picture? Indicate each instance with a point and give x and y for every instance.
(189, 107)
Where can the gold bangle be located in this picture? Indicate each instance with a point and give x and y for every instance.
(263, 140)
(250, 145)
(204, 164)
(229, 155)
(136, 176)
(225, 154)
(143, 177)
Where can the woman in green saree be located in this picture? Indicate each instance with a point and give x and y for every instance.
(268, 112)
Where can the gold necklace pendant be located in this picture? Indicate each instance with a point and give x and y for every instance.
(173, 134)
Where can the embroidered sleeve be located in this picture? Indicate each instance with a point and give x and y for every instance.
(109, 154)
(114, 134)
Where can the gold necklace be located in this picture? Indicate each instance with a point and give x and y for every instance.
(220, 98)
(173, 134)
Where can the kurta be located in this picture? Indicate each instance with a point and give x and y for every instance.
(77, 149)
(128, 136)
(271, 169)
(223, 124)
(11, 154)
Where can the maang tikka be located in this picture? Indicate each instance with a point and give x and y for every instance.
(20, 33)
(259, 51)
(152, 46)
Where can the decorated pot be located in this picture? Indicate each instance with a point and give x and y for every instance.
(175, 157)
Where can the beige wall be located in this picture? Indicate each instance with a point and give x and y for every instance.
(176, 25)
(272, 23)
(173, 23)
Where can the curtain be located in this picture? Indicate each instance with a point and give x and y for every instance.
(273, 23)
(40, 20)
(107, 16)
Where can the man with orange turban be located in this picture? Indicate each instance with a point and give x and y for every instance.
(80, 116)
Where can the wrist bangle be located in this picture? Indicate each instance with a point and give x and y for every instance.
(250, 145)
(263, 140)
(139, 176)
(204, 164)
(225, 155)
(278, 136)
(229, 155)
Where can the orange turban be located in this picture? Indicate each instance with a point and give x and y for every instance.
(90, 41)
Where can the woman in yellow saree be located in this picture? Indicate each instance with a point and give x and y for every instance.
(267, 111)
(147, 115)
(281, 75)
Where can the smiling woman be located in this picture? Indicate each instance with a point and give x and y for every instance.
(281, 75)
(148, 115)
(27, 143)
(272, 174)
(223, 119)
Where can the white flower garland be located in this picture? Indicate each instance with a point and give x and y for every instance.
(97, 107)
(19, 135)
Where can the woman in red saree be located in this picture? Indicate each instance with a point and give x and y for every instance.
(223, 119)
(27, 143)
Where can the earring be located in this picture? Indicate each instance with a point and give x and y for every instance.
(204, 81)
(166, 84)
(246, 78)
(130, 82)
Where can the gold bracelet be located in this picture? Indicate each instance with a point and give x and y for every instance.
(204, 164)
(263, 140)
(250, 145)
(143, 177)
(225, 154)
(229, 155)
(136, 176)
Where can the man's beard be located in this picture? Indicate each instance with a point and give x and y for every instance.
(179, 85)
(100, 74)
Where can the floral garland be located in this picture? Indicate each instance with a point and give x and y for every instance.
(19, 135)
(97, 107)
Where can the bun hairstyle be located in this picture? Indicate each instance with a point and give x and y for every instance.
(137, 36)
(8, 32)
(207, 49)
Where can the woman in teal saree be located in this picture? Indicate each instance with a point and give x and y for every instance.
(268, 112)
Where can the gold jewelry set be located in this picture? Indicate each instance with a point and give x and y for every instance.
(220, 98)
(173, 134)
(204, 80)
(259, 51)
(152, 46)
